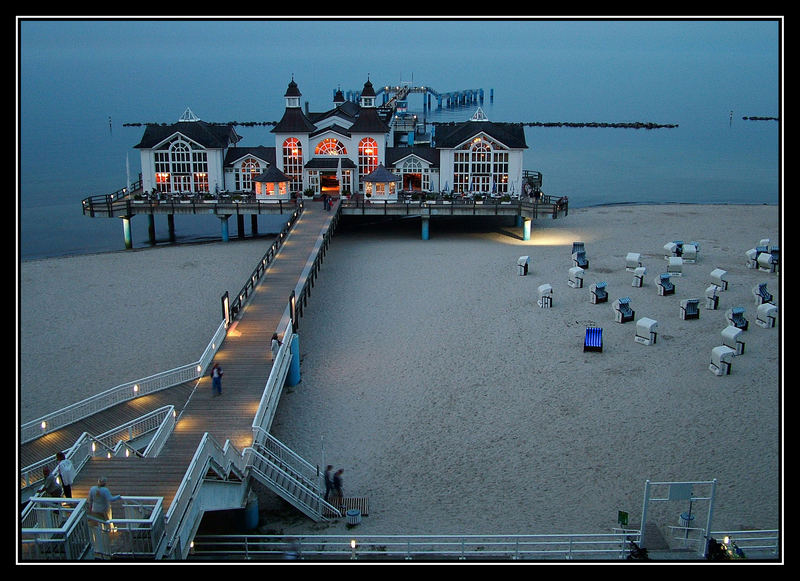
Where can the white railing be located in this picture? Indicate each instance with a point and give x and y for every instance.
(760, 544)
(134, 535)
(54, 529)
(274, 386)
(612, 546)
(122, 393)
(179, 524)
(112, 442)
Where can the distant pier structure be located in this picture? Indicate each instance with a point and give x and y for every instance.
(394, 96)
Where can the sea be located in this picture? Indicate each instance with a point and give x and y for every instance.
(720, 103)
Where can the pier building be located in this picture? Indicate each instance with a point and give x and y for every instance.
(332, 151)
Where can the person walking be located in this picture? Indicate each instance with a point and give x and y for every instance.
(328, 481)
(216, 379)
(51, 488)
(100, 499)
(66, 473)
(337, 485)
(275, 344)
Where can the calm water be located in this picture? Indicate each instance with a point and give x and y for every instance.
(74, 142)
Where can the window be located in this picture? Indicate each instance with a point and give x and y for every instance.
(367, 158)
(480, 167)
(179, 168)
(293, 163)
(244, 176)
(330, 146)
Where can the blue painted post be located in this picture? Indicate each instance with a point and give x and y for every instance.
(224, 220)
(425, 228)
(151, 228)
(293, 377)
(526, 228)
(126, 232)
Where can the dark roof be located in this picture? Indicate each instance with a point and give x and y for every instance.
(368, 91)
(210, 136)
(369, 121)
(330, 162)
(294, 121)
(381, 175)
(348, 110)
(336, 128)
(451, 135)
(426, 152)
(266, 154)
(273, 174)
(292, 90)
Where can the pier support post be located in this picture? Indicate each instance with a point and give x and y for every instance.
(293, 376)
(240, 225)
(224, 222)
(425, 228)
(126, 232)
(254, 224)
(518, 221)
(151, 229)
(171, 226)
(526, 228)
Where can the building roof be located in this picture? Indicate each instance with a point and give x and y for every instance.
(369, 121)
(265, 154)
(451, 135)
(381, 175)
(294, 121)
(271, 175)
(209, 135)
(426, 152)
(330, 162)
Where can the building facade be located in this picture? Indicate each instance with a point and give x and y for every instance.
(332, 152)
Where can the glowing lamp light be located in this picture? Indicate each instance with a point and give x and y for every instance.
(108, 455)
(44, 425)
(94, 447)
(127, 452)
(352, 543)
(136, 388)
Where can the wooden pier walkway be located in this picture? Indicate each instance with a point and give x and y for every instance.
(246, 361)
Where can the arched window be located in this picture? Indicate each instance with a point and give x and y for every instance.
(293, 163)
(481, 167)
(250, 169)
(367, 158)
(330, 146)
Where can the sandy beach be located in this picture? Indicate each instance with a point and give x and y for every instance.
(453, 402)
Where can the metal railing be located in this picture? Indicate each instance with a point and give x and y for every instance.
(611, 546)
(54, 529)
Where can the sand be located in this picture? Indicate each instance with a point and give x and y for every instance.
(454, 402)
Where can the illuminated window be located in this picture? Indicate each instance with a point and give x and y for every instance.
(330, 146)
(244, 176)
(293, 163)
(367, 157)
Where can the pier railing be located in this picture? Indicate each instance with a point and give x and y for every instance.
(529, 207)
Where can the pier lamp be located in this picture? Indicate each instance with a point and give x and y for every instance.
(226, 308)
(44, 425)
(353, 546)
(135, 388)
(293, 309)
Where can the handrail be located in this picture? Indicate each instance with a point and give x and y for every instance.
(53, 421)
(607, 546)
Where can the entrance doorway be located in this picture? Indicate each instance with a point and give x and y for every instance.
(412, 182)
(329, 184)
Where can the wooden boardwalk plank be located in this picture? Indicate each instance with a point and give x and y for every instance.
(246, 362)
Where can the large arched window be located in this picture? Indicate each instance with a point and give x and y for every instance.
(330, 146)
(250, 169)
(180, 168)
(293, 163)
(367, 158)
(480, 167)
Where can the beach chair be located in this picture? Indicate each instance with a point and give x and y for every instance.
(675, 265)
(575, 279)
(718, 278)
(638, 276)
(522, 265)
(766, 315)
(690, 252)
(690, 309)
(767, 261)
(712, 300)
(735, 316)
(646, 331)
(721, 358)
(545, 296)
(578, 247)
(579, 259)
(622, 310)
(593, 340)
(633, 260)
(732, 337)
(761, 294)
(599, 294)
(674, 248)
(664, 285)
(752, 258)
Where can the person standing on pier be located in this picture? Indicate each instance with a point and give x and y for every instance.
(328, 481)
(216, 379)
(66, 472)
(337, 485)
(275, 344)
